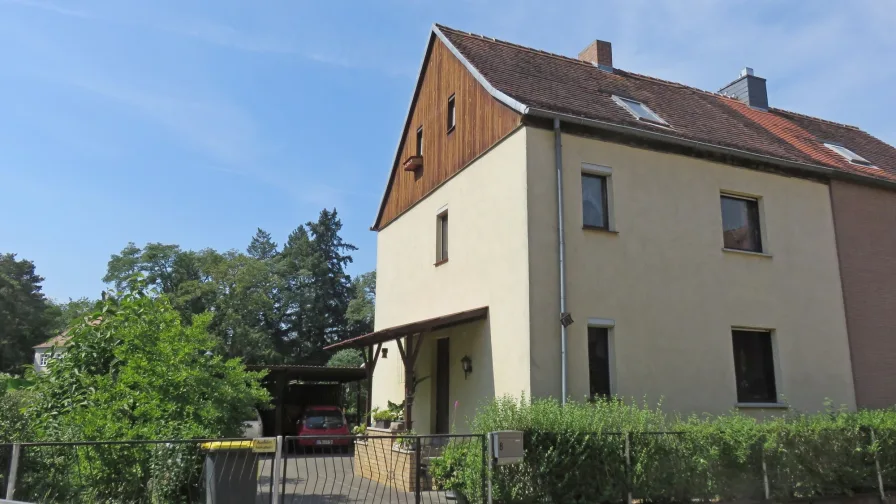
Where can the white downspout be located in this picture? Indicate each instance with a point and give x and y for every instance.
(558, 161)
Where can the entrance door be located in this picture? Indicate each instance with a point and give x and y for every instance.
(443, 408)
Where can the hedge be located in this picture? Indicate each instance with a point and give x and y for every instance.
(577, 453)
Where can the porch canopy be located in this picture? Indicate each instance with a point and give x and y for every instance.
(412, 335)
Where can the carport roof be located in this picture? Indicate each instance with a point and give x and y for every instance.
(421, 326)
(313, 373)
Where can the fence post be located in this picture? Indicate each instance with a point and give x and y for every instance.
(880, 479)
(14, 469)
(418, 455)
(764, 471)
(489, 466)
(275, 483)
(628, 467)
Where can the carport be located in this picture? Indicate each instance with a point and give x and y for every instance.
(280, 375)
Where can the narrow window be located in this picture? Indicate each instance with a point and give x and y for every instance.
(420, 141)
(754, 366)
(740, 223)
(599, 361)
(442, 238)
(451, 114)
(594, 201)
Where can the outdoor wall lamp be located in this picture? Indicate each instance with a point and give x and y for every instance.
(384, 352)
(467, 363)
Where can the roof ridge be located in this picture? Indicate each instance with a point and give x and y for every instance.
(517, 46)
(835, 123)
(575, 60)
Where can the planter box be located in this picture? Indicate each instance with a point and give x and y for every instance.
(378, 459)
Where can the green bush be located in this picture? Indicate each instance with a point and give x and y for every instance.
(132, 371)
(461, 468)
(601, 451)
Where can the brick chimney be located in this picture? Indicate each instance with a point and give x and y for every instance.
(599, 53)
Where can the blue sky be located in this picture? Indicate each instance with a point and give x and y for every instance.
(197, 122)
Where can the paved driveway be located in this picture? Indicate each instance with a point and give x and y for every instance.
(331, 479)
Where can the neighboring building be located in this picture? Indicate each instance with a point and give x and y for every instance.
(49, 349)
(699, 235)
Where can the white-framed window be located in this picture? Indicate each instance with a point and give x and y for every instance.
(601, 358)
(44, 358)
(597, 197)
(641, 111)
(442, 237)
(741, 226)
(849, 155)
(420, 141)
(452, 116)
(755, 367)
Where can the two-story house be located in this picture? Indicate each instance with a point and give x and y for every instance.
(616, 234)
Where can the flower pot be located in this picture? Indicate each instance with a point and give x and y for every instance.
(383, 424)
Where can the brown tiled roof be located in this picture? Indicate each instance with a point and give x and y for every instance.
(61, 339)
(563, 85)
(56, 341)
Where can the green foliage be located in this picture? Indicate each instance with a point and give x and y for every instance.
(362, 306)
(13, 423)
(140, 373)
(268, 305)
(64, 313)
(576, 453)
(133, 371)
(384, 415)
(461, 467)
(348, 357)
(25, 319)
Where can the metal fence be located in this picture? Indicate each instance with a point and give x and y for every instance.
(369, 469)
(381, 468)
(175, 471)
(325, 469)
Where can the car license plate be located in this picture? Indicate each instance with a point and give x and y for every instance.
(324, 441)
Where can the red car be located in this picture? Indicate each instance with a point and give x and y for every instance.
(320, 421)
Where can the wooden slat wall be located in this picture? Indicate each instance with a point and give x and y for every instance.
(481, 122)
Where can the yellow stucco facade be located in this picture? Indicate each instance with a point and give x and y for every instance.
(660, 277)
(487, 266)
(671, 291)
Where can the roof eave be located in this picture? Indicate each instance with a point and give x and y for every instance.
(831, 173)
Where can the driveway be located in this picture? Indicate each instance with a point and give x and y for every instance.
(331, 479)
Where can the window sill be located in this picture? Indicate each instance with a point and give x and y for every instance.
(586, 227)
(746, 252)
(441, 262)
(761, 405)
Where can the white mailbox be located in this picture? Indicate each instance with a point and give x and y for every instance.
(507, 447)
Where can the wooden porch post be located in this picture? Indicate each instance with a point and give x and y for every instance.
(409, 357)
(370, 357)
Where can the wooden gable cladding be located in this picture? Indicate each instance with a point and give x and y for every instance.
(480, 122)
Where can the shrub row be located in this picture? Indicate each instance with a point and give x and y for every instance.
(600, 452)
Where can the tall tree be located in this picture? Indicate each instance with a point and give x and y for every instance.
(361, 309)
(317, 289)
(24, 317)
(64, 313)
(262, 246)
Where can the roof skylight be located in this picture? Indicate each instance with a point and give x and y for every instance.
(850, 156)
(639, 110)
